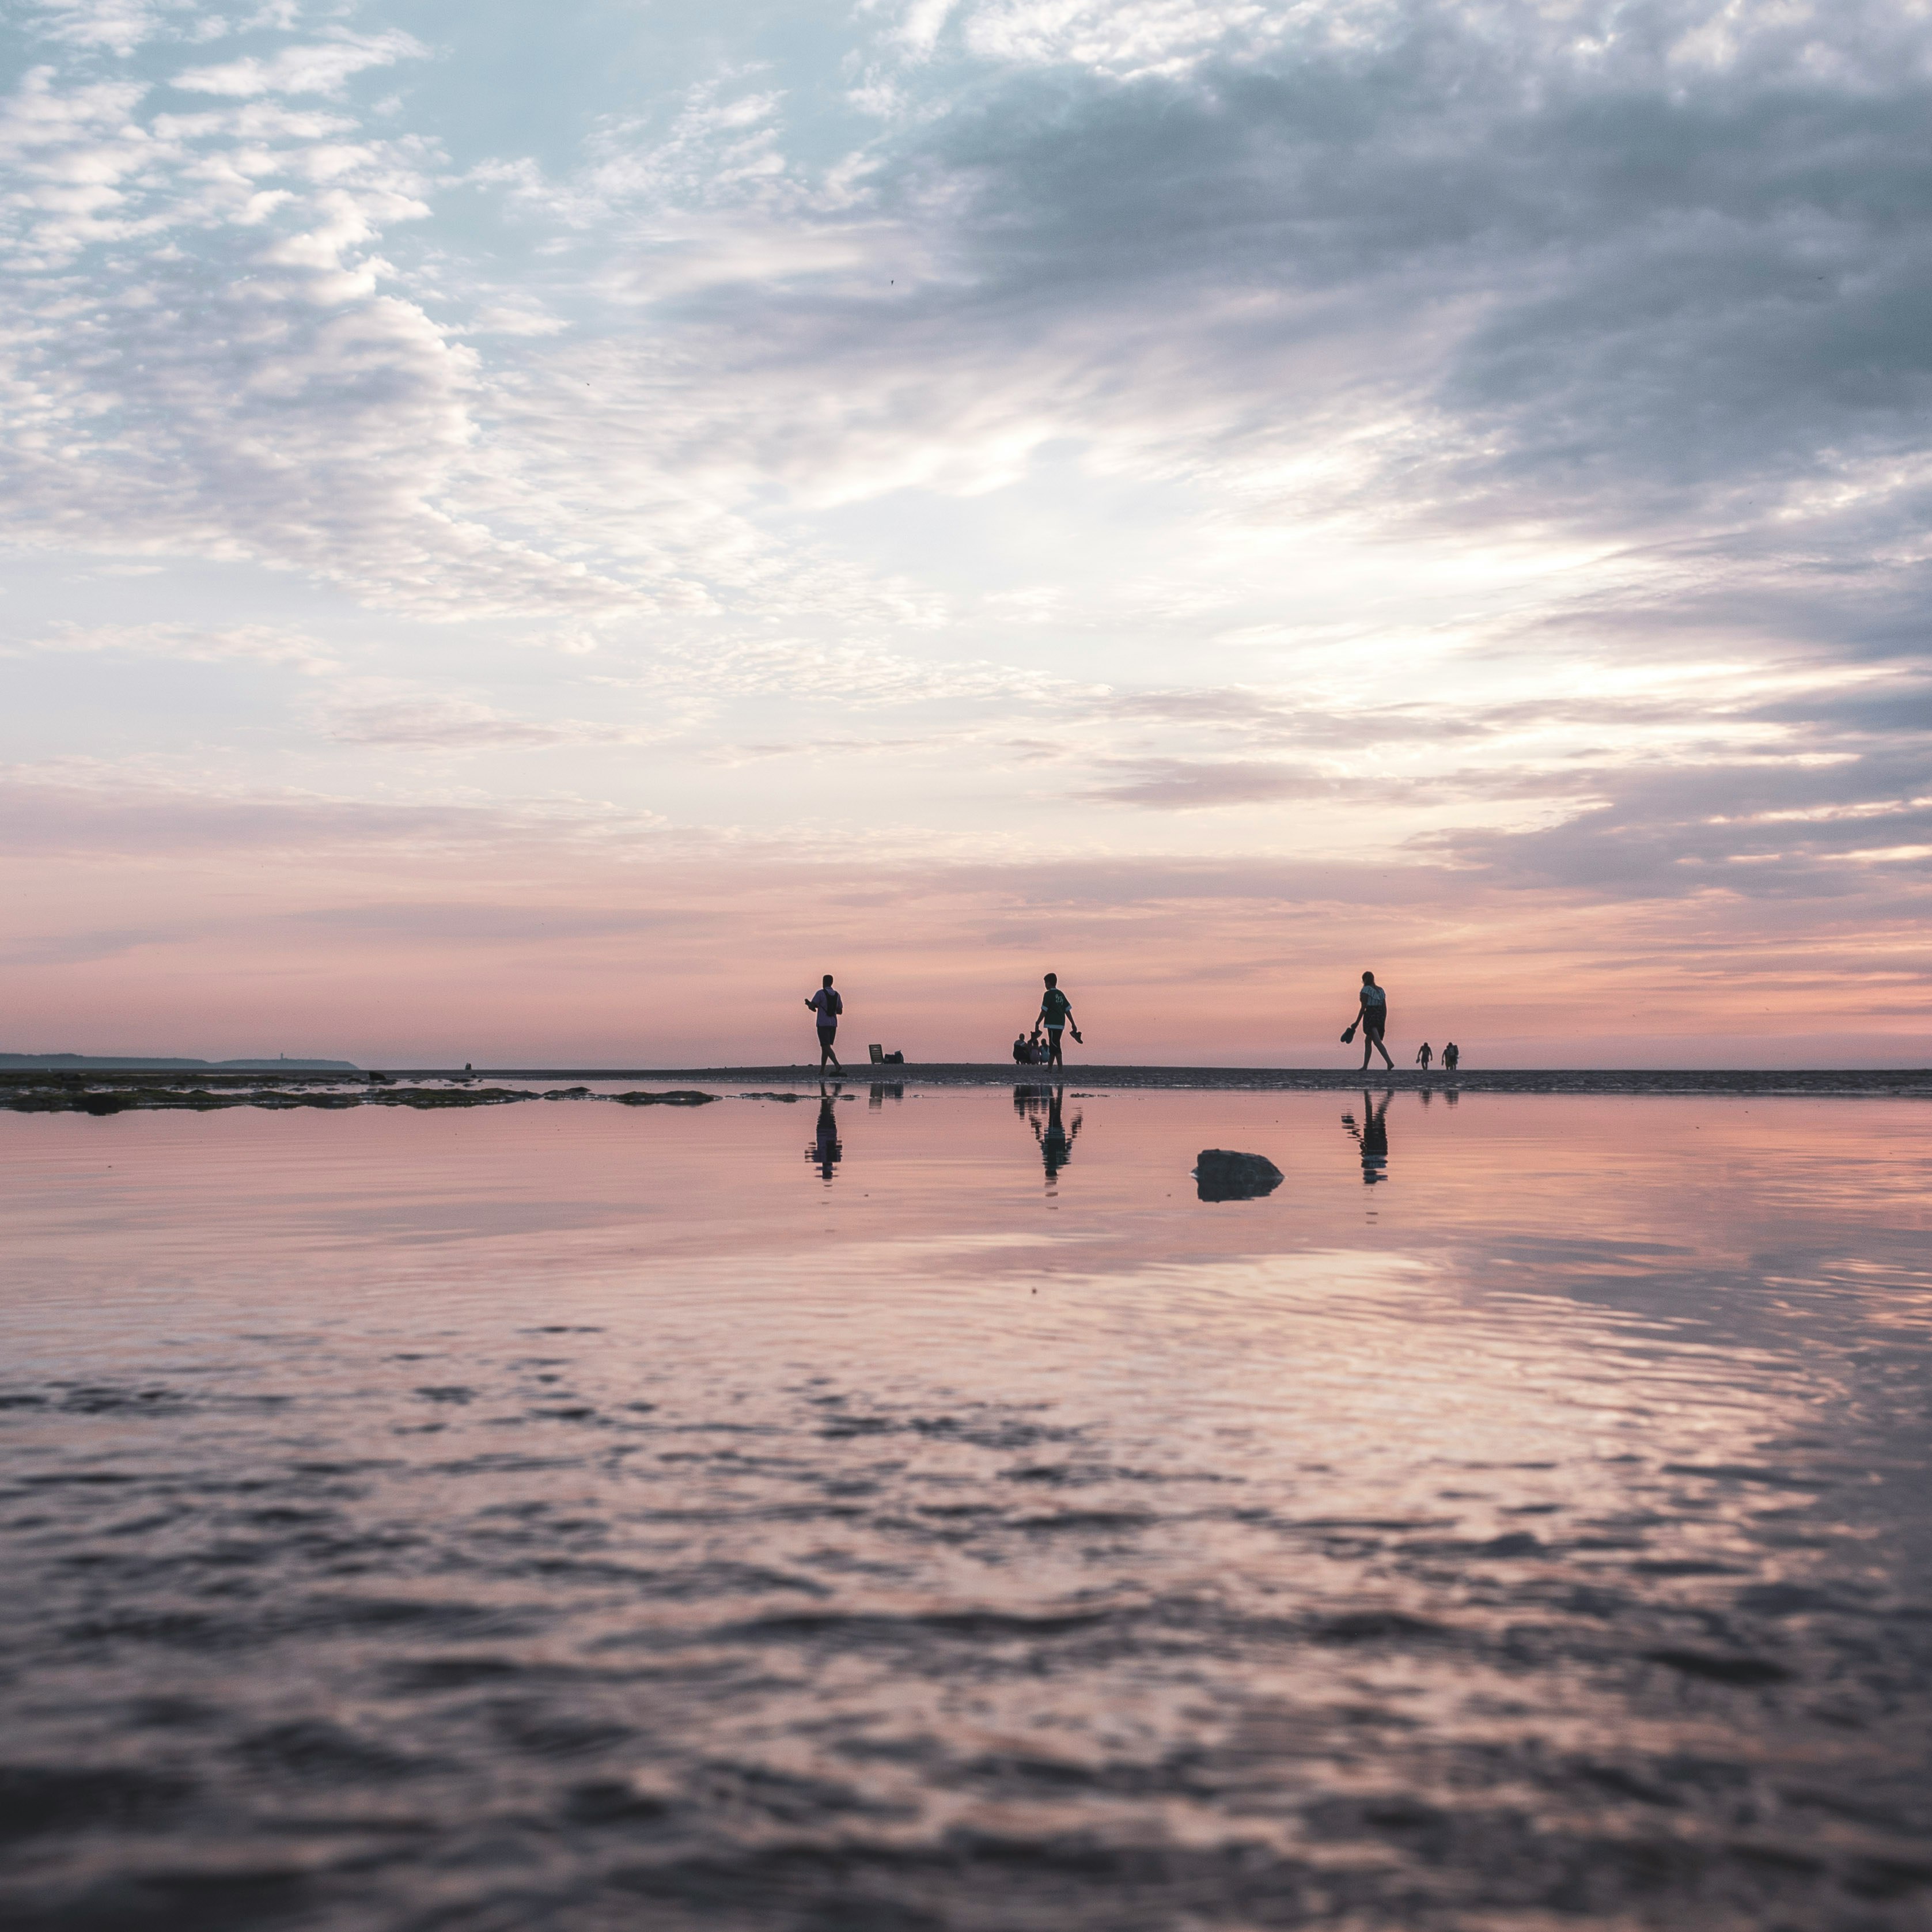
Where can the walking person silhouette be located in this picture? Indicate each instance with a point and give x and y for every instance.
(828, 1005)
(1423, 1056)
(1372, 1016)
(1056, 1011)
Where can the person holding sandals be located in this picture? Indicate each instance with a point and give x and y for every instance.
(1372, 1017)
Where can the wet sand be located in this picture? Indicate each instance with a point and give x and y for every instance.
(107, 1091)
(1914, 1083)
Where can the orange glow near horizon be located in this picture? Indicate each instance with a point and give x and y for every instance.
(707, 963)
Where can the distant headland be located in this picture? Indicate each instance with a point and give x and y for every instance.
(279, 1063)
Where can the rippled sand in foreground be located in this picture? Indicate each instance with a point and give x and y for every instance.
(917, 1509)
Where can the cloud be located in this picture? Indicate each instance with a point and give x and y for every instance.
(321, 67)
(261, 643)
(809, 669)
(76, 809)
(437, 721)
(1366, 260)
(80, 949)
(237, 373)
(1185, 785)
(306, 416)
(445, 921)
(120, 26)
(509, 320)
(1841, 810)
(1397, 262)
(1138, 37)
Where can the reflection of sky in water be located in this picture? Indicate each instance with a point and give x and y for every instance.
(957, 1514)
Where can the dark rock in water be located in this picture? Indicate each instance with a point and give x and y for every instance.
(1225, 1176)
(1745, 1670)
(678, 1096)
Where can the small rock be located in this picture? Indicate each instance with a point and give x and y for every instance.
(1223, 1175)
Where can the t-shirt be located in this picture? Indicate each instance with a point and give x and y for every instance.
(1055, 1005)
(829, 1006)
(1374, 996)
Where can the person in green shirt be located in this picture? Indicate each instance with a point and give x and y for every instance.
(1056, 1011)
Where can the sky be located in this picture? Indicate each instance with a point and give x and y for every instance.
(528, 534)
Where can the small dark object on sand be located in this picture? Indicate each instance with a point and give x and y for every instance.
(1226, 1176)
(678, 1096)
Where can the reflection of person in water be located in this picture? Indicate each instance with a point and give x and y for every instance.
(825, 1152)
(1372, 1136)
(1039, 1107)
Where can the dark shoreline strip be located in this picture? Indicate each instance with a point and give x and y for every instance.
(105, 1091)
(1905, 1083)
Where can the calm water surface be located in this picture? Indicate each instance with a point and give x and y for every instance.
(921, 1511)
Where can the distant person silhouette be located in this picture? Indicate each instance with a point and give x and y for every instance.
(1056, 1011)
(1373, 1137)
(825, 1152)
(1372, 1016)
(1452, 1057)
(1422, 1056)
(828, 1005)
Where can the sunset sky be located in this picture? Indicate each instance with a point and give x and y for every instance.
(532, 531)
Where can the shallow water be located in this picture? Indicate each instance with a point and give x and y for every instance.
(920, 1510)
